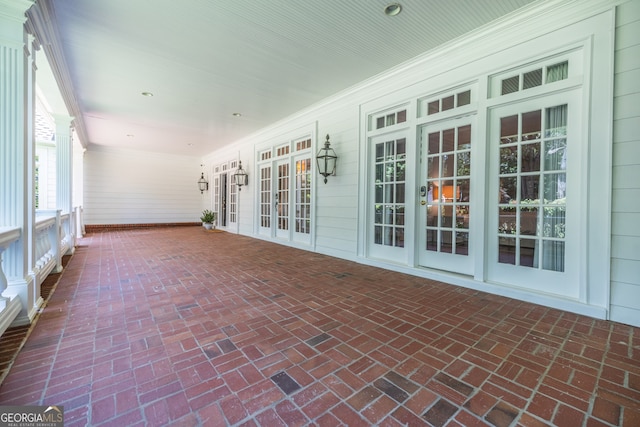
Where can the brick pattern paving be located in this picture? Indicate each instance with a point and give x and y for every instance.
(178, 326)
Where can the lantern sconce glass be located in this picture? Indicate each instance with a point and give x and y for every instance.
(203, 184)
(240, 178)
(327, 160)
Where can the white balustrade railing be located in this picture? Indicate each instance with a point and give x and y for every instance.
(9, 308)
(54, 236)
(47, 244)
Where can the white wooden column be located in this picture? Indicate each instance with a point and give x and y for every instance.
(64, 169)
(64, 163)
(16, 204)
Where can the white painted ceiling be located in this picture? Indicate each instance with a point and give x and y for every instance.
(204, 60)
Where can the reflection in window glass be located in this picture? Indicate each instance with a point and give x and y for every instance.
(389, 192)
(558, 72)
(508, 129)
(447, 103)
(510, 85)
(303, 196)
(448, 186)
(532, 198)
(464, 98)
(532, 79)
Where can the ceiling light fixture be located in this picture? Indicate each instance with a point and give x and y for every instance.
(147, 94)
(393, 9)
(237, 114)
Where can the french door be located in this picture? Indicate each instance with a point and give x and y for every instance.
(285, 199)
(387, 202)
(534, 201)
(266, 201)
(282, 203)
(445, 235)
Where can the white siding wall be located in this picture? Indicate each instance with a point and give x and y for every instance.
(625, 233)
(337, 223)
(131, 187)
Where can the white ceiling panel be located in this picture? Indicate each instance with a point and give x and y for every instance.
(206, 59)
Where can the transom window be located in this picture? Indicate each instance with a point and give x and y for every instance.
(387, 119)
(283, 150)
(265, 155)
(533, 78)
(444, 102)
(541, 73)
(303, 144)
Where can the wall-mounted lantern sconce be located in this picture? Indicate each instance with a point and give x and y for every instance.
(240, 178)
(203, 184)
(326, 158)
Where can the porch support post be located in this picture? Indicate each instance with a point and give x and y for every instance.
(64, 172)
(16, 155)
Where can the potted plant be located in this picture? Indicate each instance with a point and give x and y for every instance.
(208, 218)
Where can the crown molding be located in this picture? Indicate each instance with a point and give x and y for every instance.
(42, 23)
(15, 9)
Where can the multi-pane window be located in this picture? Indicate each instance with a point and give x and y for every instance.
(534, 78)
(265, 155)
(282, 196)
(447, 102)
(448, 190)
(303, 144)
(389, 199)
(303, 196)
(265, 196)
(216, 195)
(282, 150)
(389, 119)
(536, 75)
(233, 203)
(532, 188)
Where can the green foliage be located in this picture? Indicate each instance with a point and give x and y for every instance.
(208, 216)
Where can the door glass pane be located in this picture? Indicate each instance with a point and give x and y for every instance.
(434, 143)
(530, 157)
(532, 176)
(448, 168)
(283, 197)
(508, 129)
(389, 192)
(233, 202)
(303, 196)
(462, 243)
(531, 125)
(265, 197)
(464, 137)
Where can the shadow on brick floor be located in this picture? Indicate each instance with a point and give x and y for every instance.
(14, 337)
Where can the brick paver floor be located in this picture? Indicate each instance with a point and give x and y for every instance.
(180, 326)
